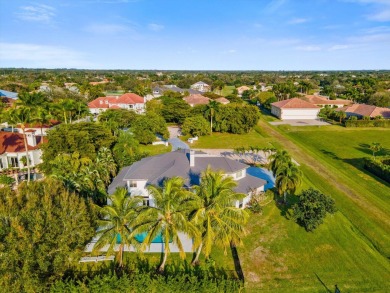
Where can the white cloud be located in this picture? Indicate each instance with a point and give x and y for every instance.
(274, 5)
(298, 20)
(41, 56)
(39, 13)
(155, 27)
(339, 47)
(106, 29)
(384, 15)
(308, 48)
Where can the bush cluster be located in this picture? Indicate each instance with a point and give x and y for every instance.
(368, 123)
(380, 166)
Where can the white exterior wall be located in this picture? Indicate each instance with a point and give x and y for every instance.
(139, 190)
(35, 158)
(276, 111)
(246, 199)
(299, 114)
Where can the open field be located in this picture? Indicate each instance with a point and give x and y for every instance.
(280, 256)
(227, 90)
(352, 248)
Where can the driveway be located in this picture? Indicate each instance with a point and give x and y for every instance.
(305, 122)
(174, 140)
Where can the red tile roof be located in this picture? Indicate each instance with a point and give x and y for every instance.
(11, 142)
(294, 103)
(367, 110)
(196, 99)
(111, 101)
(46, 125)
(321, 100)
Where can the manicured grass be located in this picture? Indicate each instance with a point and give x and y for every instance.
(366, 198)
(351, 248)
(230, 141)
(280, 256)
(227, 90)
(153, 150)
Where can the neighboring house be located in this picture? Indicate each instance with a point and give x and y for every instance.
(201, 86)
(7, 102)
(222, 100)
(295, 108)
(12, 149)
(187, 164)
(129, 101)
(99, 82)
(361, 110)
(323, 101)
(72, 87)
(158, 91)
(37, 127)
(242, 89)
(7, 94)
(44, 87)
(195, 100)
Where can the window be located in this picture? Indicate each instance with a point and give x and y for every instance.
(13, 162)
(1, 163)
(133, 183)
(146, 202)
(241, 204)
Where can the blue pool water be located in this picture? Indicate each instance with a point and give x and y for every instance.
(263, 174)
(141, 237)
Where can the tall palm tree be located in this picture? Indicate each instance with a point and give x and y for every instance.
(211, 108)
(22, 116)
(41, 116)
(219, 221)
(105, 165)
(168, 216)
(277, 159)
(288, 178)
(116, 222)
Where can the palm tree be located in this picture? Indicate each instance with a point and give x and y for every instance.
(105, 165)
(342, 115)
(168, 216)
(219, 221)
(278, 159)
(288, 178)
(22, 116)
(42, 116)
(116, 222)
(375, 147)
(211, 108)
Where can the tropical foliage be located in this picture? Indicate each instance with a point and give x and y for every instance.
(312, 208)
(43, 232)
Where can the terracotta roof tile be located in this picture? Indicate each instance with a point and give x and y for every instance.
(110, 101)
(321, 100)
(196, 99)
(294, 103)
(367, 110)
(12, 142)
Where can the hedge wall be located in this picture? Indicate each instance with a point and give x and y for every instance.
(380, 167)
(368, 123)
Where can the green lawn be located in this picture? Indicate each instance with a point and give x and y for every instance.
(230, 141)
(280, 256)
(227, 90)
(352, 247)
(153, 150)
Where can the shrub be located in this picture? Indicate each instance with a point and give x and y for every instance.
(380, 166)
(312, 208)
(367, 123)
(195, 126)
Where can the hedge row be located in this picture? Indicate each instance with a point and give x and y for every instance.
(379, 166)
(368, 123)
(146, 283)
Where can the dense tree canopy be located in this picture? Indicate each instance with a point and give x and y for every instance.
(37, 244)
(84, 138)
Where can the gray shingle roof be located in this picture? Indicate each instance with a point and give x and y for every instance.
(157, 168)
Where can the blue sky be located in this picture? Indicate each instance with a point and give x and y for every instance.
(196, 35)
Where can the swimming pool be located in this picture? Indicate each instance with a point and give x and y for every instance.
(263, 174)
(141, 237)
